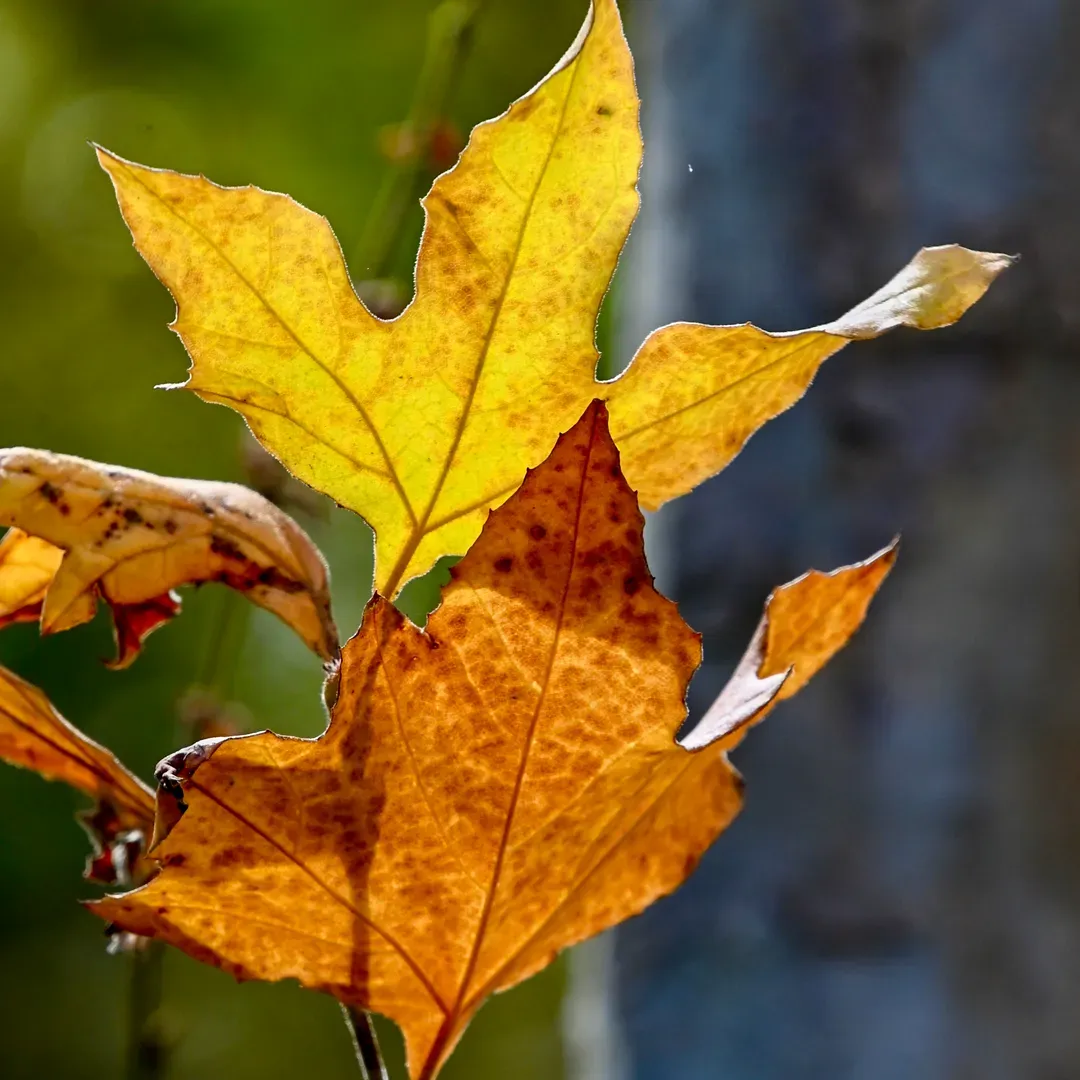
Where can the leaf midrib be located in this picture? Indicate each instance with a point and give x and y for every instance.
(421, 528)
(456, 1009)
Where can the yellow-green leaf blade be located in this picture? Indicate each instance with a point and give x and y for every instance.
(274, 330)
(694, 394)
(423, 424)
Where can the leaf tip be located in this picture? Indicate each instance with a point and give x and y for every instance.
(932, 291)
(109, 161)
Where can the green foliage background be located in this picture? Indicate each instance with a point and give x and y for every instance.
(289, 96)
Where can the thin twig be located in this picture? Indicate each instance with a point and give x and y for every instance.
(225, 644)
(449, 34)
(365, 1044)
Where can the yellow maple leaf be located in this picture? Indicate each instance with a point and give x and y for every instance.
(425, 423)
(491, 789)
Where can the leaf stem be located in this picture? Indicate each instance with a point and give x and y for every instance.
(146, 1051)
(365, 1043)
(225, 643)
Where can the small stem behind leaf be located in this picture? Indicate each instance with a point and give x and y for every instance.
(365, 1044)
(147, 1049)
(449, 34)
(225, 644)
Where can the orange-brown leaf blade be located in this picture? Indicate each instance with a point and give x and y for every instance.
(129, 538)
(35, 736)
(811, 618)
(805, 623)
(489, 790)
(468, 777)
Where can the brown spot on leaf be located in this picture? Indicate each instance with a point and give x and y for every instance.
(522, 110)
(227, 549)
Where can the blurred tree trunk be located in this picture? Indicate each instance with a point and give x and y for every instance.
(901, 896)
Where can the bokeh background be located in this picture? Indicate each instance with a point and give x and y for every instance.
(901, 895)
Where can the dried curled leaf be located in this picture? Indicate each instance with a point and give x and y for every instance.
(34, 735)
(129, 538)
(425, 423)
(488, 791)
(28, 565)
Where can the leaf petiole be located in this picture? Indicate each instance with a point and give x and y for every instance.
(365, 1043)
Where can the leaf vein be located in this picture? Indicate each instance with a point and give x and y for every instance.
(330, 891)
(319, 362)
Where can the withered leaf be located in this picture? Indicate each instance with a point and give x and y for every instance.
(424, 423)
(488, 791)
(130, 538)
(28, 565)
(34, 735)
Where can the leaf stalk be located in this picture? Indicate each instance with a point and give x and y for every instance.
(365, 1043)
(146, 1051)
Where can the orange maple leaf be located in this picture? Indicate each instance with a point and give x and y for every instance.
(489, 790)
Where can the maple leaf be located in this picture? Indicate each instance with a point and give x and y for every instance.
(34, 735)
(489, 790)
(86, 531)
(423, 424)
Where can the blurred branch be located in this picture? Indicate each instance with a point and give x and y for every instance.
(365, 1044)
(450, 28)
(224, 644)
(146, 1056)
